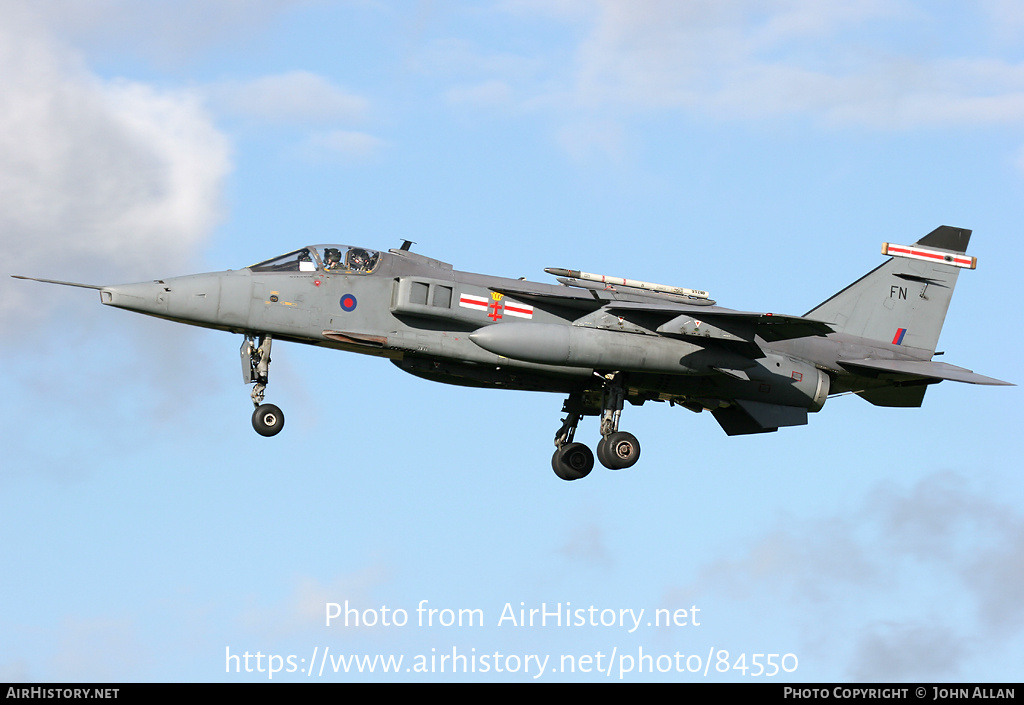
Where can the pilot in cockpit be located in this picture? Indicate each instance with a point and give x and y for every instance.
(306, 263)
(359, 260)
(332, 258)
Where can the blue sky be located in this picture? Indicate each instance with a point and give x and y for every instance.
(760, 151)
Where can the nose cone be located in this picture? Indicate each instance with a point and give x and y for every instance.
(216, 300)
(145, 297)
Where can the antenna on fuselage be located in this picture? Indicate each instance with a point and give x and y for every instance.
(406, 244)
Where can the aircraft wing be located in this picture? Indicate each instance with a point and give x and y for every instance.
(923, 369)
(738, 324)
(577, 299)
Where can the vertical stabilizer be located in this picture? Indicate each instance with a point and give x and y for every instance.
(903, 301)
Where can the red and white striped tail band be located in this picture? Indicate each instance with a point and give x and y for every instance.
(923, 253)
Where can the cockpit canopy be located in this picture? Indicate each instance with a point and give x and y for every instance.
(342, 259)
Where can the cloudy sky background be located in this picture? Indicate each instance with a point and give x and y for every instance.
(759, 150)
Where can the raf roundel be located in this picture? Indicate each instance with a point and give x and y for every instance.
(348, 302)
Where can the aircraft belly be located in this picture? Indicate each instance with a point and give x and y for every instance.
(511, 375)
(778, 380)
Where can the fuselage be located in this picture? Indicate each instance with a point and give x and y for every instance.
(458, 327)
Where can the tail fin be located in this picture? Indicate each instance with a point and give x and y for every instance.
(903, 301)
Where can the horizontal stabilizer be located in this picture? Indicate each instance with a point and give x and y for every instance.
(923, 370)
(900, 397)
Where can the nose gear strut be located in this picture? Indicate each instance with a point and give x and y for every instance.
(267, 419)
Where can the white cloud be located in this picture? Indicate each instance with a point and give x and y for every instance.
(296, 98)
(587, 139)
(344, 144)
(110, 177)
(837, 63)
(559, 9)
(487, 93)
(1007, 18)
(463, 58)
(303, 101)
(164, 31)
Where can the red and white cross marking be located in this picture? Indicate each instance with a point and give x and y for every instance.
(495, 308)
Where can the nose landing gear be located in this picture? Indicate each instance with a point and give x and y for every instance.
(267, 419)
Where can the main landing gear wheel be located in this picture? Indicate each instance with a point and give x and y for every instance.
(618, 450)
(572, 461)
(268, 420)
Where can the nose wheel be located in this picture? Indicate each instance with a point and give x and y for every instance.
(267, 419)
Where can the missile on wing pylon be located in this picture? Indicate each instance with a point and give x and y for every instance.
(632, 283)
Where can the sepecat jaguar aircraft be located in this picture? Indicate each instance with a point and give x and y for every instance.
(599, 340)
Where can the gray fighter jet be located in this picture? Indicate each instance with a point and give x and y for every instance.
(599, 340)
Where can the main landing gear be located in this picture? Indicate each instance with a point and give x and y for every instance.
(616, 450)
(267, 419)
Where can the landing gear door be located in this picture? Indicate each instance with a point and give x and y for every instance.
(248, 371)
